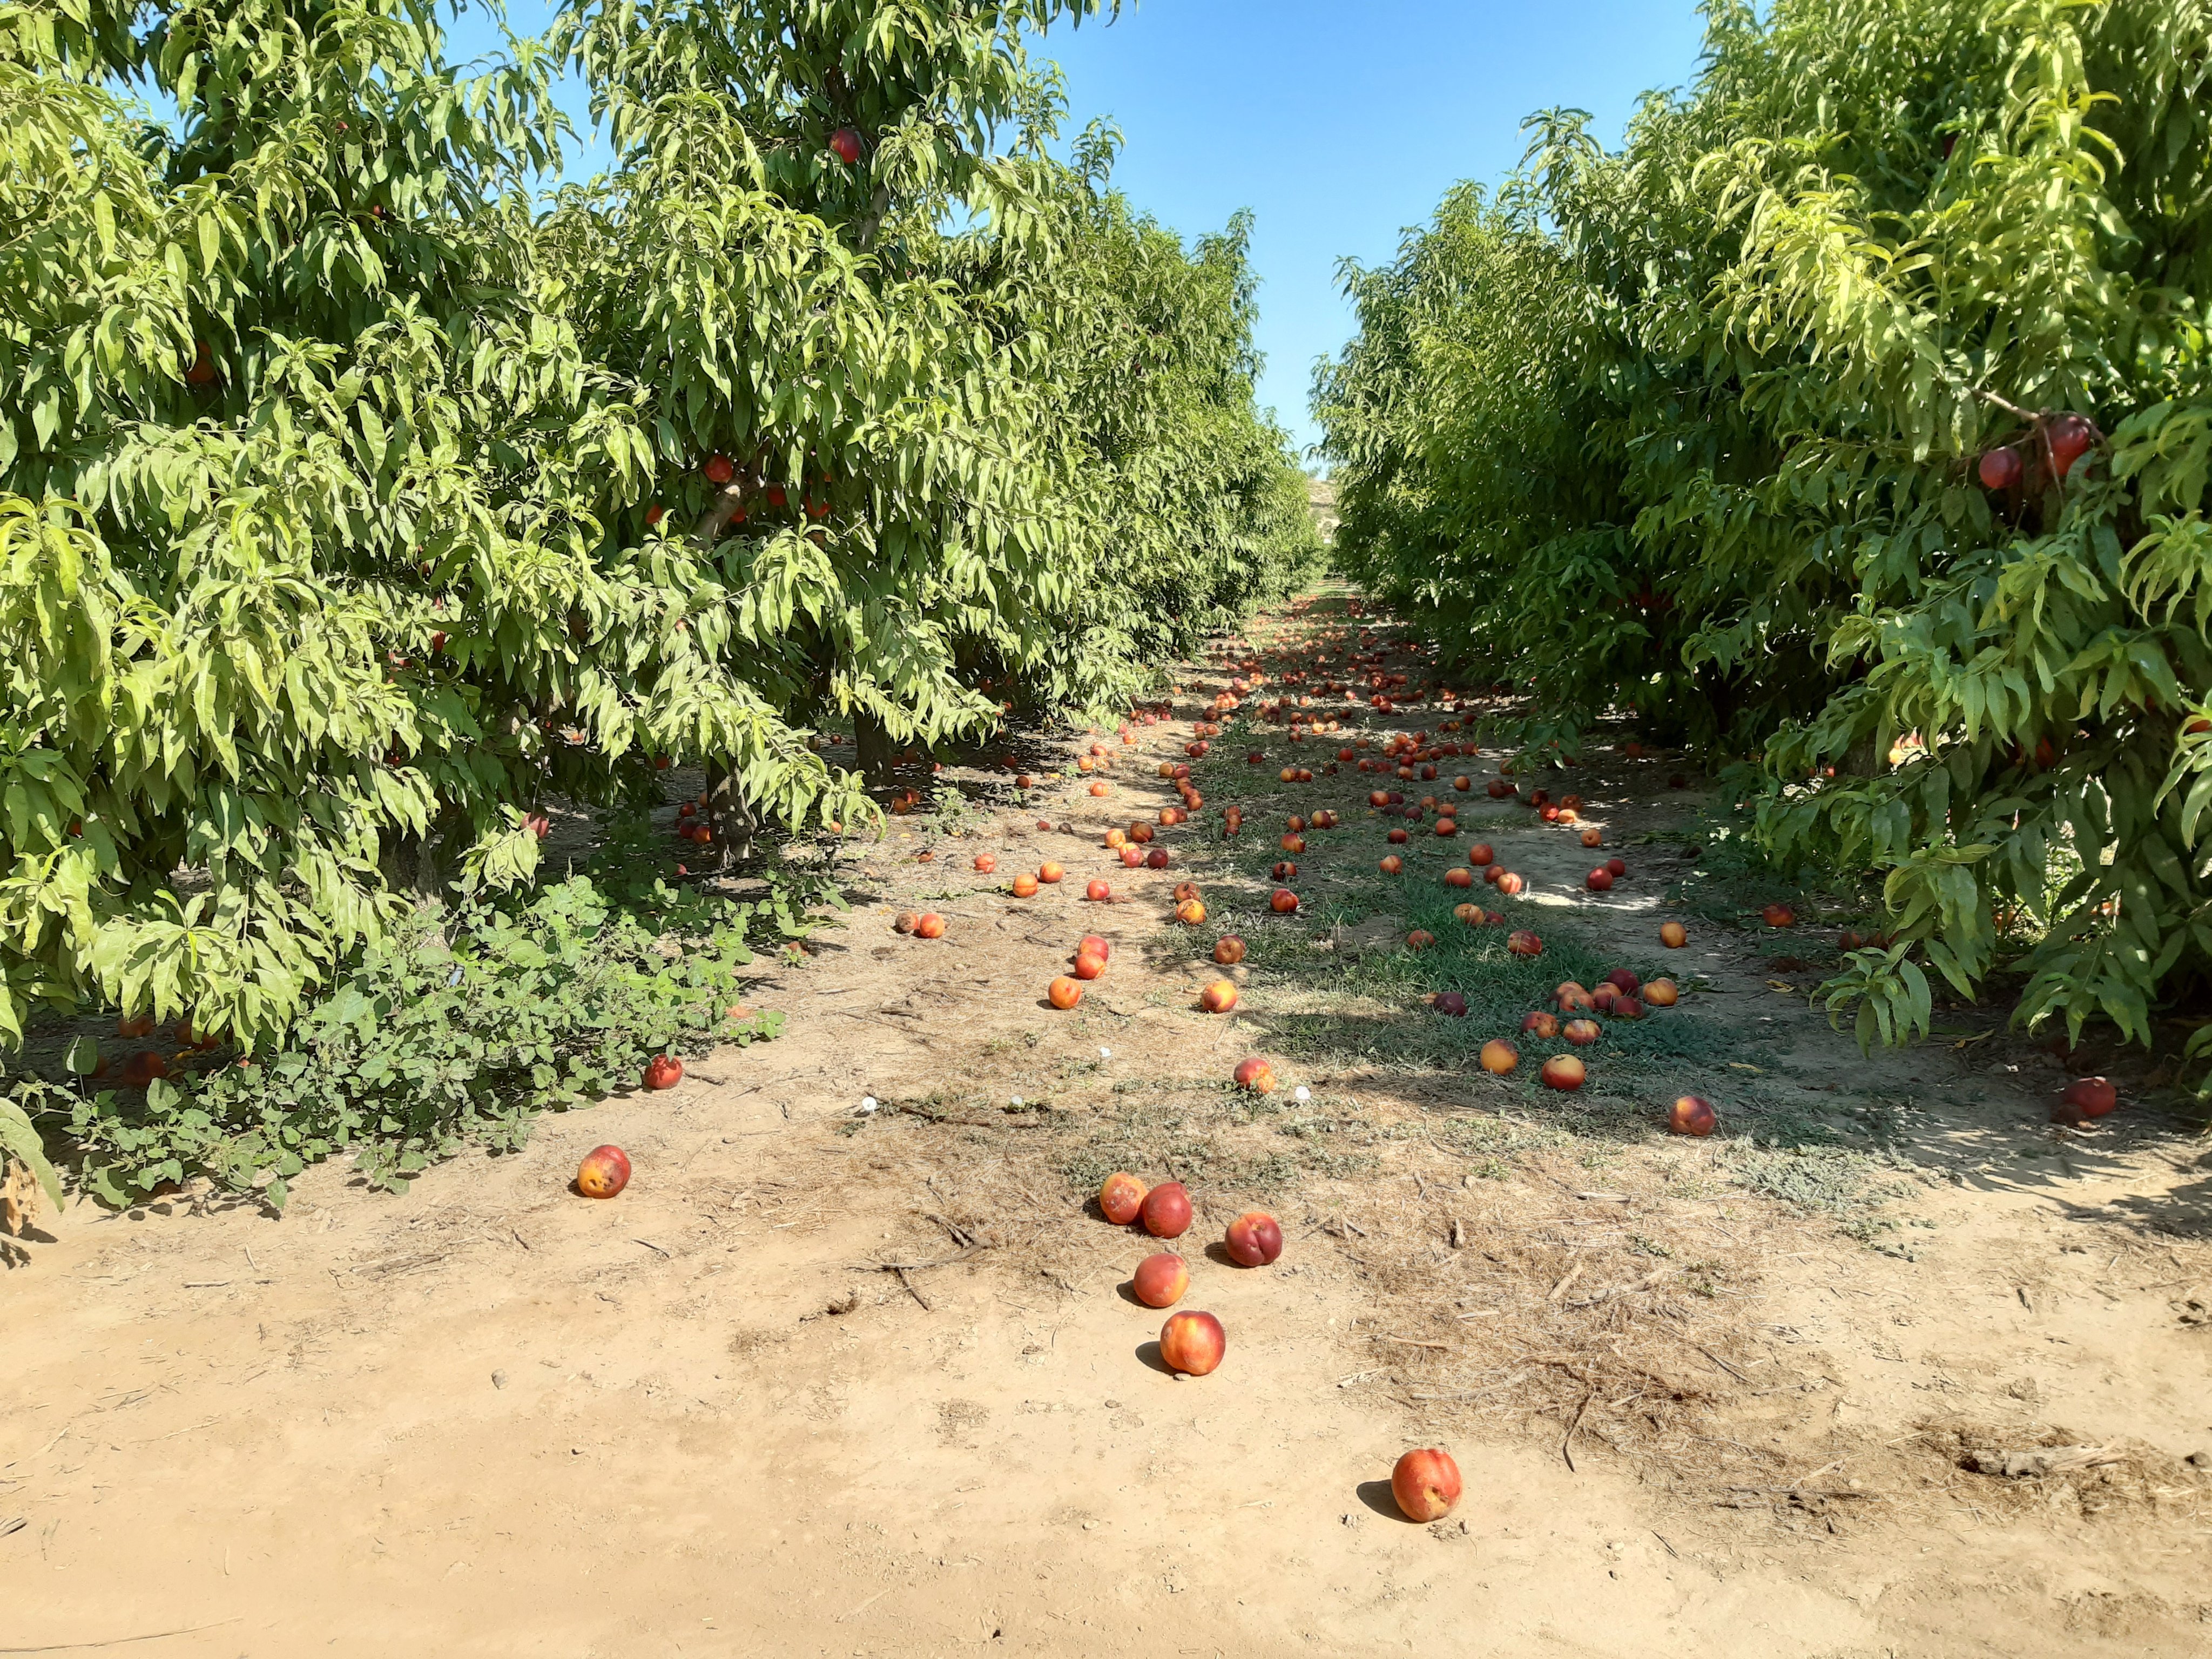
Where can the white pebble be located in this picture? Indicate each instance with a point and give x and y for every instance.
(1105, 1054)
(1016, 1101)
(1301, 1093)
(867, 1103)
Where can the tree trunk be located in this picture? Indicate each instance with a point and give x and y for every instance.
(873, 745)
(729, 815)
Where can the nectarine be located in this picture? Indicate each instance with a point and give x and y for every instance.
(1564, 1072)
(1193, 1343)
(663, 1072)
(1692, 1116)
(1228, 949)
(604, 1172)
(1217, 998)
(1426, 1484)
(1161, 1279)
(1500, 1056)
(1119, 1197)
(1166, 1210)
(1064, 993)
(1256, 1074)
(1254, 1239)
(1674, 935)
(1661, 993)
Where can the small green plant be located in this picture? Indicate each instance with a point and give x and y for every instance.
(453, 1030)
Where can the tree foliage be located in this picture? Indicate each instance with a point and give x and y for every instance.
(1696, 427)
(355, 499)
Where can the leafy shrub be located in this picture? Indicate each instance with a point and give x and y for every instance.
(452, 1030)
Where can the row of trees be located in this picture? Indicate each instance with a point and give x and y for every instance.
(356, 498)
(1758, 427)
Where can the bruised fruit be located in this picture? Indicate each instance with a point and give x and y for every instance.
(604, 1172)
(1451, 1003)
(1254, 1239)
(1166, 1210)
(1256, 1074)
(1119, 1197)
(1778, 915)
(1283, 902)
(1160, 1280)
(1662, 993)
(1523, 943)
(1217, 998)
(1500, 1056)
(1426, 1484)
(1228, 949)
(1581, 1032)
(1193, 1343)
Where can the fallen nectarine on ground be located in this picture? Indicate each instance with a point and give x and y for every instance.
(1674, 935)
(1426, 1484)
(1193, 1343)
(1217, 998)
(1228, 949)
(1161, 1279)
(1166, 1210)
(1564, 1072)
(663, 1072)
(1119, 1197)
(1064, 993)
(1254, 1239)
(1691, 1114)
(604, 1172)
(1256, 1074)
(1500, 1056)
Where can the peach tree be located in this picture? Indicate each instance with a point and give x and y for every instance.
(1853, 414)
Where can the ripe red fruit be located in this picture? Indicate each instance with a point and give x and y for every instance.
(986, 863)
(1254, 1239)
(202, 372)
(1161, 1279)
(1217, 998)
(1193, 1343)
(2001, 469)
(1426, 1484)
(2090, 1096)
(1451, 1004)
(1523, 943)
(1098, 891)
(1119, 1197)
(720, 469)
(929, 925)
(1064, 993)
(1541, 1023)
(1661, 993)
(1283, 902)
(1091, 945)
(1512, 885)
(1624, 980)
(1480, 854)
(1392, 865)
(2072, 436)
(1779, 915)
(1166, 1210)
(1228, 949)
(1088, 967)
(663, 1072)
(1460, 878)
(1500, 1056)
(1691, 1114)
(1284, 871)
(1674, 935)
(1580, 1032)
(1599, 880)
(1564, 1072)
(846, 144)
(1256, 1074)
(604, 1172)
(1616, 868)
(1049, 873)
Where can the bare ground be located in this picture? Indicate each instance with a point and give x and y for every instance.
(1735, 1397)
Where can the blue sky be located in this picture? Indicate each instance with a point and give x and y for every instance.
(1339, 123)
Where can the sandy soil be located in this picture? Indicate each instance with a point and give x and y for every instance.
(491, 1418)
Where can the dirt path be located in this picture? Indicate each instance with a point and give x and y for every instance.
(493, 1418)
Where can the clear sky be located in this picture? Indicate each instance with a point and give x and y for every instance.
(1339, 123)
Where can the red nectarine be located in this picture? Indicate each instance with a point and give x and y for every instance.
(1166, 1210)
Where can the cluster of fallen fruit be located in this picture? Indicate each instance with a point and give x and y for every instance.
(1193, 1343)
